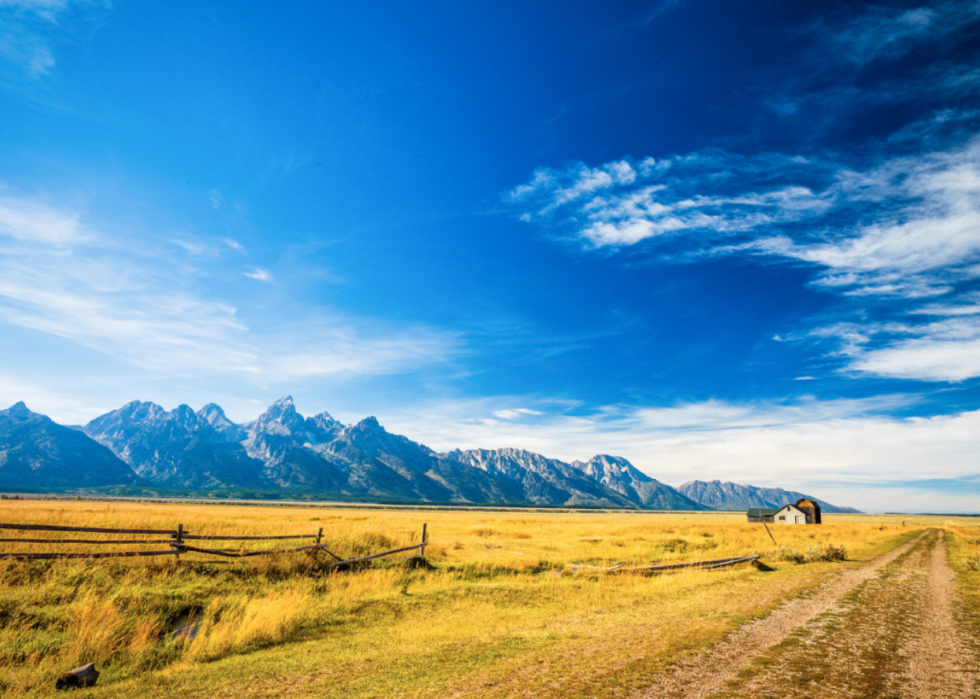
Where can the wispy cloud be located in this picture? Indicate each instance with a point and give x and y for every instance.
(515, 413)
(72, 406)
(128, 297)
(947, 349)
(30, 29)
(912, 59)
(44, 8)
(620, 204)
(909, 226)
(38, 222)
(259, 274)
(904, 228)
(882, 32)
(329, 345)
(235, 245)
(968, 304)
(921, 230)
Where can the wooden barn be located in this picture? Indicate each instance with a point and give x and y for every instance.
(811, 509)
(804, 511)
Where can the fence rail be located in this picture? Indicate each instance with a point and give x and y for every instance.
(177, 544)
(719, 563)
(235, 553)
(249, 538)
(85, 541)
(94, 530)
(107, 554)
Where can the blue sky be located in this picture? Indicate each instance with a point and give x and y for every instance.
(725, 240)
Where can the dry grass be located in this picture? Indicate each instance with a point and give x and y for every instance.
(496, 616)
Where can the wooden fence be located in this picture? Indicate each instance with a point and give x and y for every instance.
(707, 565)
(178, 545)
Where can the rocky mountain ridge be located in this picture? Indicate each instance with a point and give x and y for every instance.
(34, 450)
(184, 449)
(735, 497)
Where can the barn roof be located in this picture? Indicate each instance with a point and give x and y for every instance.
(760, 511)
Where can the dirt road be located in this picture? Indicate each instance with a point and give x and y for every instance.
(887, 629)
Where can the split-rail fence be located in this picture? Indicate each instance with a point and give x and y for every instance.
(179, 542)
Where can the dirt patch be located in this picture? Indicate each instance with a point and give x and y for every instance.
(853, 650)
(703, 675)
(892, 631)
(942, 661)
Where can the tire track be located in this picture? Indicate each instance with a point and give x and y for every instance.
(703, 675)
(941, 662)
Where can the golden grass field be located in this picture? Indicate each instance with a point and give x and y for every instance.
(499, 615)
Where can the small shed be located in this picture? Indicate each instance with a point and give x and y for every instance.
(761, 514)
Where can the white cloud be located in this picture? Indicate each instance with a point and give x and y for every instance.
(34, 221)
(127, 298)
(262, 275)
(70, 408)
(924, 359)
(324, 346)
(193, 247)
(968, 304)
(841, 450)
(515, 413)
(204, 246)
(123, 308)
(905, 229)
(927, 231)
(681, 195)
(235, 245)
(575, 183)
(947, 349)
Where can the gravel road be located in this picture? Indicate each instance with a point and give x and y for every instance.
(886, 629)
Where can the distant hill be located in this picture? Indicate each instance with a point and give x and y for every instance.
(39, 454)
(735, 497)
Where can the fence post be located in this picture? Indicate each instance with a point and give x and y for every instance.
(422, 546)
(769, 532)
(319, 536)
(180, 540)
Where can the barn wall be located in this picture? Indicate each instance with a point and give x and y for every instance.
(791, 513)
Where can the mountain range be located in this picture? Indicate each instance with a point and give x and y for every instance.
(733, 497)
(141, 443)
(35, 450)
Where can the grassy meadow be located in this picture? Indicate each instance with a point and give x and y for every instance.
(964, 556)
(499, 614)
